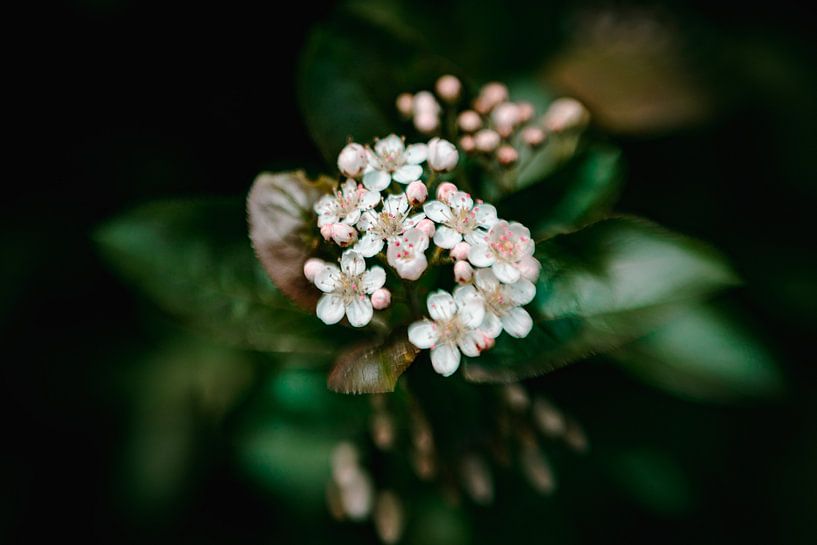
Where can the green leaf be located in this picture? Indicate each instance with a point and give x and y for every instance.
(192, 258)
(373, 368)
(653, 479)
(701, 354)
(600, 288)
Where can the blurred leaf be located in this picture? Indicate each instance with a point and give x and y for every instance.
(654, 480)
(373, 368)
(279, 211)
(600, 288)
(192, 258)
(701, 354)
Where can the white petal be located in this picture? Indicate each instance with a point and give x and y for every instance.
(480, 255)
(477, 236)
(485, 215)
(423, 334)
(360, 311)
(367, 219)
(373, 279)
(463, 294)
(352, 263)
(352, 217)
(437, 211)
(472, 313)
(445, 359)
(324, 204)
(348, 187)
(517, 323)
(391, 144)
(376, 180)
(327, 219)
(505, 272)
(491, 325)
(441, 305)
(469, 343)
(413, 220)
(368, 200)
(369, 245)
(416, 153)
(461, 200)
(411, 269)
(327, 279)
(521, 292)
(396, 205)
(330, 308)
(416, 239)
(445, 237)
(408, 173)
(486, 280)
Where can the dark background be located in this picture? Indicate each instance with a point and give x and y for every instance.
(144, 100)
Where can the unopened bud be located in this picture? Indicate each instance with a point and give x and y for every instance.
(533, 136)
(486, 140)
(389, 518)
(526, 111)
(417, 193)
(356, 495)
(445, 190)
(405, 104)
(469, 121)
(442, 155)
(426, 122)
(343, 235)
(477, 480)
(575, 436)
(467, 143)
(352, 160)
(460, 251)
(537, 469)
(507, 155)
(383, 430)
(566, 114)
(493, 94)
(344, 462)
(427, 226)
(487, 343)
(463, 272)
(312, 267)
(505, 116)
(425, 103)
(516, 397)
(530, 267)
(381, 299)
(548, 419)
(448, 88)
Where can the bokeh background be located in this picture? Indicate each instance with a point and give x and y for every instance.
(121, 426)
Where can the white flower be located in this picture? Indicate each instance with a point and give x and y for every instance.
(346, 205)
(391, 159)
(346, 290)
(452, 328)
(503, 304)
(507, 247)
(407, 254)
(391, 222)
(459, 218)
(352, 160)
(442, 155)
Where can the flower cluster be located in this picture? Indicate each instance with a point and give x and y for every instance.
(381, 211)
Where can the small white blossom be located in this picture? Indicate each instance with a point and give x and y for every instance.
(506, 248)
(451, 330)
(391, 222)
(442, 155)
(346, 290)
(391, 159)
(503, 304)
(346, 205)
(407, 254)
(460, 218)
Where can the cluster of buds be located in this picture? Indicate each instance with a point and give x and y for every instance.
(493, 126)
(381, 210)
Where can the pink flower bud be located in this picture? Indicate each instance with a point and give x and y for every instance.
(442, 155)
(427, 226)
(486, 140)
(467, 143)
(352, 160)
(417, 193)
(525, 110)
(445, 190)
(469, 121)
(533, 136)
(463, 272)
(424, 102)
(426, 122)
(343, 235)
(566, 114)
(530, 268)
(487, 343)
(381, 298)
(312, 267)
(405, 104)
(460, 251)
(507, 155)
(448, 88)
(493, 94)
(505, 116)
